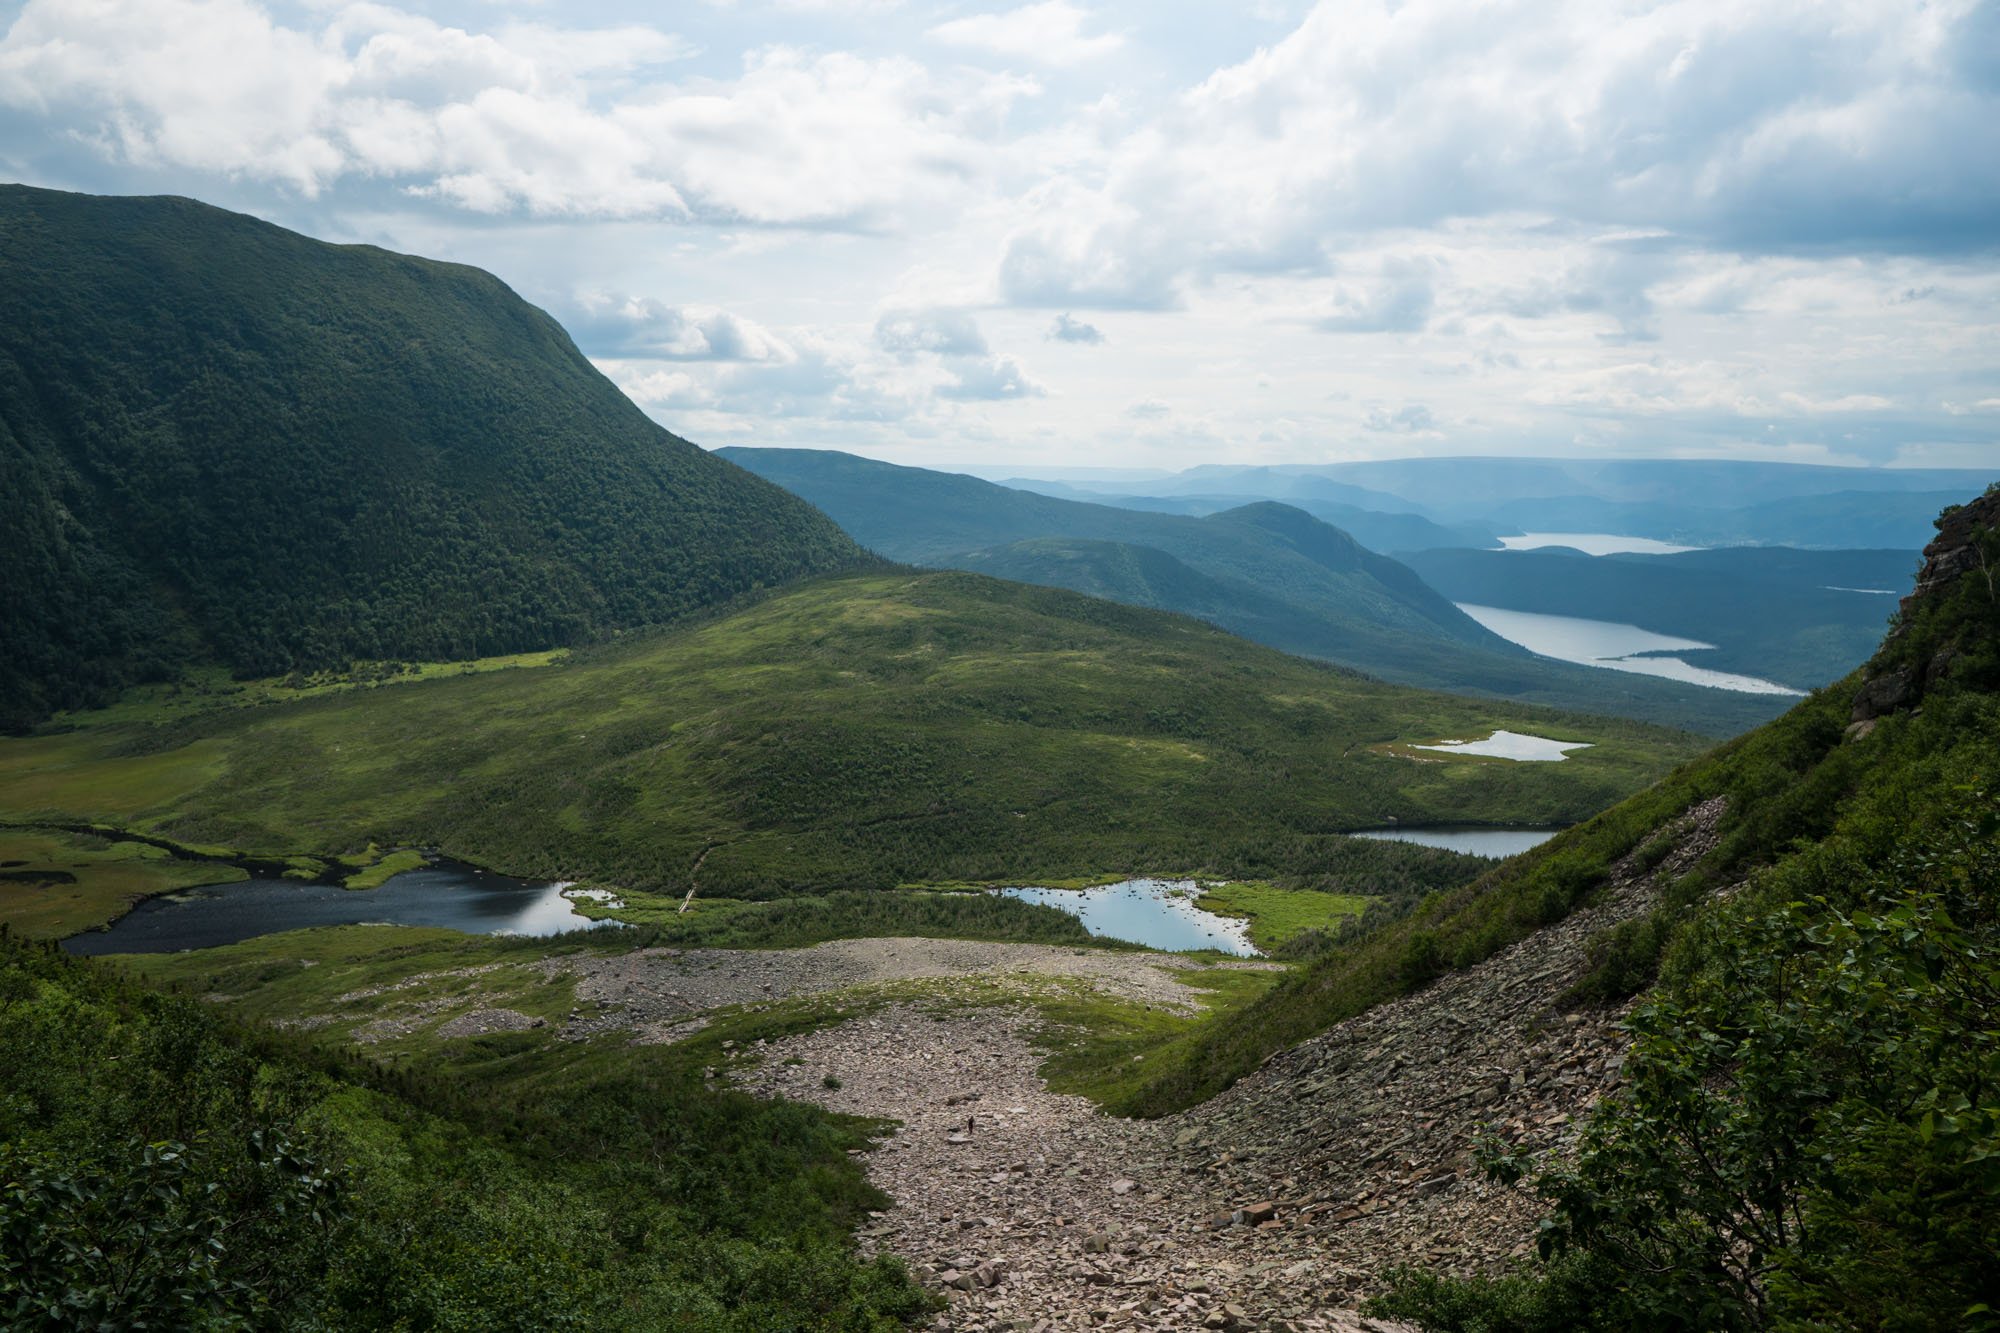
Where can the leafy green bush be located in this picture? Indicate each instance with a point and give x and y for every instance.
(161, 1169)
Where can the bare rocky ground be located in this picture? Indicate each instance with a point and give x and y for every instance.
(661, 992)
(1277, 1205)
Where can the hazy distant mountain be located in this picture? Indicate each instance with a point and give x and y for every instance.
(223, 441)
(1694, 501)
(1892, 519)
(1268, 571)
(1385, 532)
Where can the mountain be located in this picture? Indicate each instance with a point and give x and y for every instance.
(1696, 501)
(1802, 618)
(856, 732)
(1726, 1050)
(224, 442)
(1454, 485)
(1272, 572)
(1387, 533)
(1893, 518)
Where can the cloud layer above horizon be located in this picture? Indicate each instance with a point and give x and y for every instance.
(1124, 234)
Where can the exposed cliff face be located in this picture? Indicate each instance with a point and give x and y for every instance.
(1949, 617)
(1962, 546)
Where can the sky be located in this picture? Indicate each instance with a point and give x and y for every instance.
(1133, 234)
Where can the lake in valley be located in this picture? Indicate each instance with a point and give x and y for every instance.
(1511, 745)
(1606, 643)
(449, 894)
(1593, 543)
(1158, 913)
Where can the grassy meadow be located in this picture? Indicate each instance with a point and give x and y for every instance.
(857, 732)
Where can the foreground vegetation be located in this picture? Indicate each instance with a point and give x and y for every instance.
(859, 732)
(1810, 1132)
(167, 1169)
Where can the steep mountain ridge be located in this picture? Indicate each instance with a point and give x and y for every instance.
(222, 441)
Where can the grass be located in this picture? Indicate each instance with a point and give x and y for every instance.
(1278, 916)
(54, 884)
(381, 871)
(858, 732)
(1106, 1049)
(205, 689)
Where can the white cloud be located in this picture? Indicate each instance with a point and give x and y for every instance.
(1794, 124)
(1397, 300)
(505, 121)
(906, 333)
(641, 327)
(1069, 330)
(1051, 33)
(1634, 226)
(990, 379)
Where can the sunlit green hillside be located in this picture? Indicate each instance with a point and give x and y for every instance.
(860, 731)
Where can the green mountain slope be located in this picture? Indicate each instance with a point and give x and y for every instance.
(857, 732)
(222, 441)
(1302, 585)
(1808, 1128)
(1787, 615)
(925, 516)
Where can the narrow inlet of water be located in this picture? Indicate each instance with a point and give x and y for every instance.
(449, 894)
(1612, 645)
(1593, 543)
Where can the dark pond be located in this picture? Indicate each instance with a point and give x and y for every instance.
(449, 894)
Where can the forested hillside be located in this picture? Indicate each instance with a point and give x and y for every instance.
(221, 441)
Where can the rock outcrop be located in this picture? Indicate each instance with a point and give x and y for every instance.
(1965, 547)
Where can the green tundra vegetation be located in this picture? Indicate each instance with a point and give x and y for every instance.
(224, 443)
(166, 1168)
(861, 731)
